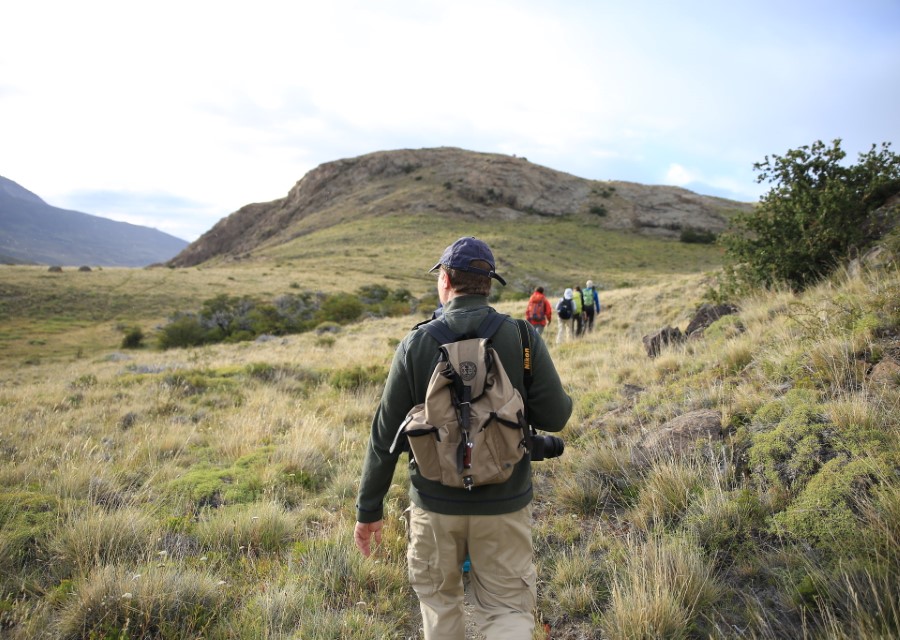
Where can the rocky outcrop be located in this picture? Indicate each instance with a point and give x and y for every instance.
(706, 315)
(654, 342)
(703, 318)
(680, 436)
(886, 373)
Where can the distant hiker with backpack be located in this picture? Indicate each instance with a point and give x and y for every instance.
(459, 513)
(538, 312)
(591, 305)
(565, 311)
(578, 301)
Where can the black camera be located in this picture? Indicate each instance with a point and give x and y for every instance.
(543, 447)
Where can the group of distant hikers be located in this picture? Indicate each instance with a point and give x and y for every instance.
(575, 311)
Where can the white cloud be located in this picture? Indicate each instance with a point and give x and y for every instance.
(679, 176)
(218, 104)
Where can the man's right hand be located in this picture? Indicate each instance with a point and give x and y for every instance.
(362, 535)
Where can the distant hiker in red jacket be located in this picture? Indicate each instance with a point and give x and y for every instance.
(539, 310)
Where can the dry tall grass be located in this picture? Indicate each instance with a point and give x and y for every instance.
(210, 492)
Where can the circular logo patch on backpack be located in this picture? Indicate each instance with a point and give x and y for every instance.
(467, 370)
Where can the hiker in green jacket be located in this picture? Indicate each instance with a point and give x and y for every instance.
(591, 305)
(491, 523)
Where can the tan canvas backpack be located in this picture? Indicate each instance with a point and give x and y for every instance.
(471, 430)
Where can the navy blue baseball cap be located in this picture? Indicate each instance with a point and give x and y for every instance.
(462, 253)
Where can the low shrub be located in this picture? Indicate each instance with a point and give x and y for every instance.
(357, 377)
(152, 602)
(689, 235)
(826, 513)
(97, 536)
(133, 339)
(239, 319)
(250, 529)
(660, 590)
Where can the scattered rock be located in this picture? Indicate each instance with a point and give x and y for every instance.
(55, 269)
(654, 342)
(630, 391)
(706, 315)
(680, 435)
(128, 420)
(886, 373)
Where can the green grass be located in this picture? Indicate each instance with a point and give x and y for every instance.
(73, 315)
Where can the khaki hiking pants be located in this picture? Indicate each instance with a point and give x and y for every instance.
(566, 330)
(502, 575)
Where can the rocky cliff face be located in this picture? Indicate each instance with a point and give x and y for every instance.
(449, 181)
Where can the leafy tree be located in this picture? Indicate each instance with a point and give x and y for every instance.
(816, 214)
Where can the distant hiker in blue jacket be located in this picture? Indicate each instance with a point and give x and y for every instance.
(591, 305)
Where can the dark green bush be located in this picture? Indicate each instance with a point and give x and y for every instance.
(134, 338)
(184, 330)
(340, 309)
(690, 235)
(598, 210)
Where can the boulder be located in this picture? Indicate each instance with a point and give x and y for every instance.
(706, 315)
(654, 342)
(886, 373)
(680, 435)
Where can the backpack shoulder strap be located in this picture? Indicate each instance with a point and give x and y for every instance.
(439, 331)
(525, 338)
(491, 323)
(488, 327)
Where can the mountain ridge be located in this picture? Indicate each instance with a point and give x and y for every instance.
(32, 231)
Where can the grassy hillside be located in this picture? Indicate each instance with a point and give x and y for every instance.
(73, 314)
(210, 492)
(436, 189)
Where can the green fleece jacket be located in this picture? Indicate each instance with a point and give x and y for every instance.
(547, 404)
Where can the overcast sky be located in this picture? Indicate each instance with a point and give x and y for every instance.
(175, 113)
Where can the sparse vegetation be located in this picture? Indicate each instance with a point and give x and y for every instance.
(209, 491)
(239, 319)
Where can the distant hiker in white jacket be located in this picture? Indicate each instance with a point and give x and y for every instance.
(565, 312)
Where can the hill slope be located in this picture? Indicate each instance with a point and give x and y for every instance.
(31, 231)
(437, 185)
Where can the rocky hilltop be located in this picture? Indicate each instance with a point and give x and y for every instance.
(452, 182)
